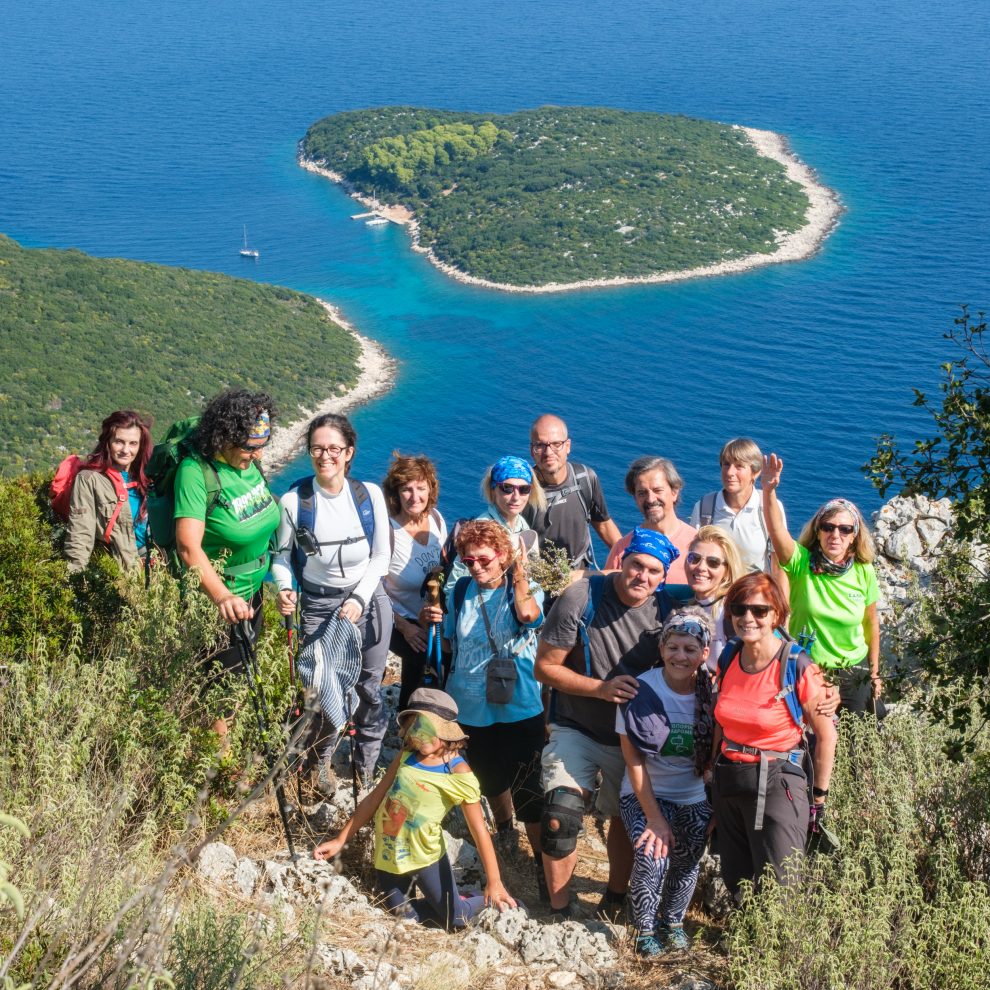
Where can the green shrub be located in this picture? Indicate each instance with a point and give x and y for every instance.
(901, 906)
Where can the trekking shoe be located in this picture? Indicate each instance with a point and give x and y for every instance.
(566, 913)
(647, 945)
(612, 906)
(673, 938)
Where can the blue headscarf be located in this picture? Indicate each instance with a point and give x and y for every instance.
(510, 467)
(655, 544)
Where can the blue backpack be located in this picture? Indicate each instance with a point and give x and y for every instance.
(306, 521)
(791, 671)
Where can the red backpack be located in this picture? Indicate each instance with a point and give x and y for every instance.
(60, 491)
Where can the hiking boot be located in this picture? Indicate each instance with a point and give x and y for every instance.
(673, 938)
(612, 906)
(566, 913)
(647, 945)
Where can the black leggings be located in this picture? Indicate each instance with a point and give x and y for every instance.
(441, 903)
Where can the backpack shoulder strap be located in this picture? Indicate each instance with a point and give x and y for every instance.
(596, 588)
(211, 479)
(791, 671)
(460, 593)
(729, 652)
(366, 511)
(707, 511)
(581, 478)
(665, 602)
(305, 519)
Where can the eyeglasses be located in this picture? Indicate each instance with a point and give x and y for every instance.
(844, 529)
(554, 445)
(480, 561)
(739, 609)
(317, 452)
(696, 558)
(508, 489)
(250, 448)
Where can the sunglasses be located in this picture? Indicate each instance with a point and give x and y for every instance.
(480, 561)
(739, 609)
(712, 562)
(250, 448)
(844, 529)
(508, 489)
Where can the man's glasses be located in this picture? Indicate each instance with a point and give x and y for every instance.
(480, 561)
(844, 528)
(540, 445)
(317, 452)
(739, 609)
(696, 558)
(508, 489)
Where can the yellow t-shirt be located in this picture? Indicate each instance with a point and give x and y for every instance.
(408, 836)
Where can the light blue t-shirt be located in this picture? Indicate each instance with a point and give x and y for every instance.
(469, 674)
(140, 526)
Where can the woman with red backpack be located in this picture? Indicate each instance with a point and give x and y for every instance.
(107, 493)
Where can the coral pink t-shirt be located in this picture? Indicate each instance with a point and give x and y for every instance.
(750, 713)
(681, 539)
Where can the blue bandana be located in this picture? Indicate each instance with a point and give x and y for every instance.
(655, 544)
(510, 467)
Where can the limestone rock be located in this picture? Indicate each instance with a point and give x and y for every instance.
(217, 862)
(246, 876)
(711, 891)
(482, 950)
(443, 969)
(465, 862)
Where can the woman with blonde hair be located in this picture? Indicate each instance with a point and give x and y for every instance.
(834, 590)
(712, 564)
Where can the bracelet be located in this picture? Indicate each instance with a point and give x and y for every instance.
(821, 792)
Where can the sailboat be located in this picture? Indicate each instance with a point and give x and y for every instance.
(377, 220)
(248, 252)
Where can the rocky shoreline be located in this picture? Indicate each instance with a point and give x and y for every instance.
(821, 219)
(377, 371)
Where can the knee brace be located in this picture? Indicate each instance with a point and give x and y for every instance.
(563, 813)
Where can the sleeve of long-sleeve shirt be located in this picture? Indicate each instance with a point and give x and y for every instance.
(284, 542)
(381, 547)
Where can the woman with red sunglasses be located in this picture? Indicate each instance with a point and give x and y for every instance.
(834, 590)
(764, 803)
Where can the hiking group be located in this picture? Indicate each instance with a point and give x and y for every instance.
(686, 684)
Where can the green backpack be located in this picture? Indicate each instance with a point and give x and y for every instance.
(162, 465)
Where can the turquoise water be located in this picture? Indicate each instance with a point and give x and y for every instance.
(156, 131)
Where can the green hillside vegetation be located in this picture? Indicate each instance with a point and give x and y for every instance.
(562, 194)
(81, 336)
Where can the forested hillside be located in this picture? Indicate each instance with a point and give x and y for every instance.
(562, 194)
(81, 336)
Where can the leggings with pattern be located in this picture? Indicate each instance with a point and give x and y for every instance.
(665, 885)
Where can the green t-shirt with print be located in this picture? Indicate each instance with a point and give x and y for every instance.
(831, 606)
(241, 521)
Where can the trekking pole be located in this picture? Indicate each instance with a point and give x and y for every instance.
(350, 730)
(244, 633)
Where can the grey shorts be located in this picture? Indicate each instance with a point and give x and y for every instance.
(572, 759)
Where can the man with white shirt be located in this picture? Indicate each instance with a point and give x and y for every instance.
(738, 507)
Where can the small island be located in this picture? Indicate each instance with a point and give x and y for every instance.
(570, 197)
(81, 336)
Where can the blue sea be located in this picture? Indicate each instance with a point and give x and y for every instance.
(156, 131)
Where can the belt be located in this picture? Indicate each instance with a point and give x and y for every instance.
(794, 756)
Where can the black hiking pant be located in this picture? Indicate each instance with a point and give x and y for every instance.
(744, 851)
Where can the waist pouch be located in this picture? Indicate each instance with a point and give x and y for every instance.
(500, 680)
